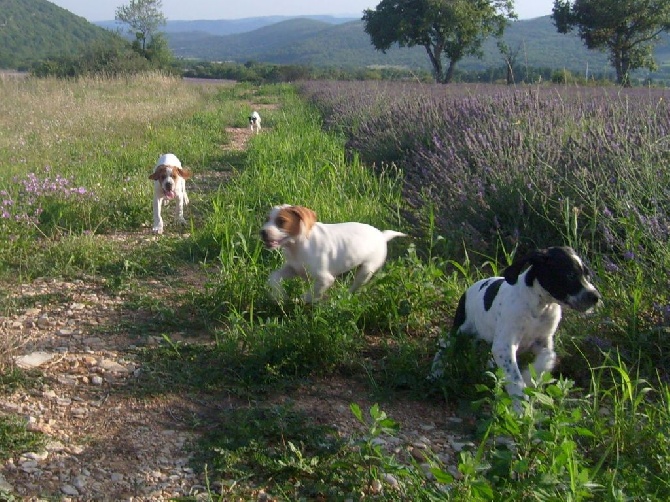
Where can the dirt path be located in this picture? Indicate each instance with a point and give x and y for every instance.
(104, 443)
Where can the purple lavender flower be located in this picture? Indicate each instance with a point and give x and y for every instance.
(610, 266)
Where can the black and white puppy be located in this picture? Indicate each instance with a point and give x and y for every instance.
(255, 122)
(520, 312)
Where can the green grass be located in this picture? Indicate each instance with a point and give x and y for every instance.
(14, 436)
(600, 431)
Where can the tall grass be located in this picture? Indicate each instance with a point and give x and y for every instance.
(77, 156)
(295, 163)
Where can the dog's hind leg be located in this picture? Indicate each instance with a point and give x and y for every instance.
(318, 288)
(363, 275)
(444, 343)
(439, 364)
(365, 272)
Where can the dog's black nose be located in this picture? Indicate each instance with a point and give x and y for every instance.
(585, 300)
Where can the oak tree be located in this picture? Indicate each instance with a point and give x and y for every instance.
(447, 29)
(143, 16)
(626, 29)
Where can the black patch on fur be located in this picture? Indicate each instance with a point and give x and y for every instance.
(484, 284)
(459, 318)
(491, 293)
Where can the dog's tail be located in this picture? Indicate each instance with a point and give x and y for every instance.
(391, 234)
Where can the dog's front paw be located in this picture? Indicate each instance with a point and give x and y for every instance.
(157, 230)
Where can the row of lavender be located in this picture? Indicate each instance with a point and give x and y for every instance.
(529, 166)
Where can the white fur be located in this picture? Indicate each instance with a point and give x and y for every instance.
(328, 250)
(521, 318)
(255, 122)
(172, 185)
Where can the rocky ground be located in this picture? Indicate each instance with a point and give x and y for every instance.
(105, 443)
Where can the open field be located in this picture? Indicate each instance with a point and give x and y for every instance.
(164, 370)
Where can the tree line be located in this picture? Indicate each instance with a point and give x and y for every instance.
(450, 30)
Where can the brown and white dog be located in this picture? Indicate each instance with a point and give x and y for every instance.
(169, 183)
(321, 251)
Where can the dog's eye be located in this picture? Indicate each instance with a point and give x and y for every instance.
(281, 221)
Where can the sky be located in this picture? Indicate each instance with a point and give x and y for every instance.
(181, 10)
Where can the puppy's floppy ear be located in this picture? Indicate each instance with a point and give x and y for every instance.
(511, 273)
(184, 173)
(306, 216)
(157, 173)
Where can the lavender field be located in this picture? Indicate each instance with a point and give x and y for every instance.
(493, 169)
(522, 166)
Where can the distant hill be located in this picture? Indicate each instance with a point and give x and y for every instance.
(32, 30)
(313, 42)
(222, 27)
(304, 41)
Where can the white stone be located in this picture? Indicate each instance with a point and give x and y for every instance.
(4, 485)
(113, 366)
(31, 455)
(80, 481)
(34, 360)
(69, 490)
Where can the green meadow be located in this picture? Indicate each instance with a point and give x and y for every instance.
(75, 195)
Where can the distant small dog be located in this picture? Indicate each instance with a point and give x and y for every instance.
(255, 122)
(320, 251)
(169, 183)
(520, 312)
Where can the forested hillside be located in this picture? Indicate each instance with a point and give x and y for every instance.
(228, 26)
(31, 30)
(305, 41)
(311, 42)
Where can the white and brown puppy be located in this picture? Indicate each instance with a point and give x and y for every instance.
(169, 179)
(321, 251)
(520, 312)
(255, 122)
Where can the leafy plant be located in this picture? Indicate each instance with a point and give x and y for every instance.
(15, 439)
